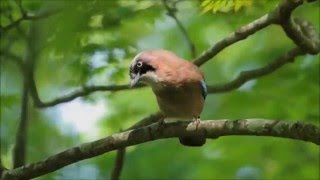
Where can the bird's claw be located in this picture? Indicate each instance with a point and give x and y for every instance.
(161, 125)
(196, 121)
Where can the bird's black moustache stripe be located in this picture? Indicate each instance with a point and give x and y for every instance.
(145, 68)
(142, 70)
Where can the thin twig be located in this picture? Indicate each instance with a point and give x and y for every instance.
(241, 34)
(153, 118)
(80, 93)
(19, 150)
(274, 17)
(18, 26)
(22, 11)
(25, 16)
(171, 11)
(234, 84)
(16, 59)
(238, 35)
(246, 76)
(118, 164)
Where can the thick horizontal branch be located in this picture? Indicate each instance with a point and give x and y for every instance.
(210, 129)
(246, 76)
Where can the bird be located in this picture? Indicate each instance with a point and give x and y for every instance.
(178, 84)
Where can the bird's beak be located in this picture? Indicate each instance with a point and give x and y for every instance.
(135, 80)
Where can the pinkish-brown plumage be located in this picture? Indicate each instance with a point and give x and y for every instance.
(178, 84)
(178, 87)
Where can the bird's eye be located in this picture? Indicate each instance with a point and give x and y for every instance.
(139, 64)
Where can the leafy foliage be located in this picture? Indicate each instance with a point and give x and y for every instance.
(224, 5)
(93, 42)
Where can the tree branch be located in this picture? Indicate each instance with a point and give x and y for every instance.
(84, 92)
(210, 129)
(302, 33)
(80, 93)
(25, 16)
(171, 11)
(277, 16)
(153, 118)
(2, 168)
(19, 150)
(16, 59)
(116, 172)
(281, 15)
(242, 33)
(234, 84)
(11, 18)
(246, 76)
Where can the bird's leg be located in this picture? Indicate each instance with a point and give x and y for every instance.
(196, 120)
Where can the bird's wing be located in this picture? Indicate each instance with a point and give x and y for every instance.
(204, 89)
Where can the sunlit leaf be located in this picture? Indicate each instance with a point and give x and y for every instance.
(224, 5)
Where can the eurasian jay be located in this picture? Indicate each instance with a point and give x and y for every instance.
(178, 85)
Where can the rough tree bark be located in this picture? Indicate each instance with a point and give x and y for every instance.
(209, 128)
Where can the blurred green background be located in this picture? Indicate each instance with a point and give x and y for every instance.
(92, 43)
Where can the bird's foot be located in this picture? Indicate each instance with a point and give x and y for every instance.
(196, 140)
(161, 125)
(196, 121)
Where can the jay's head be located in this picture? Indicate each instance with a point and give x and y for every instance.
(145, 66)
(142, 68)
(154, 67)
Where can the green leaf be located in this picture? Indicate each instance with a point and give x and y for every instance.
(224, 5)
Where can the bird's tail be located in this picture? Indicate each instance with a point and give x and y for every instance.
(194, 141)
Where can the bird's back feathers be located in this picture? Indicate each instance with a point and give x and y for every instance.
(170, 68)
(204, 89)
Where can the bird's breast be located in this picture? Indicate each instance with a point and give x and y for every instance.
(183, 101)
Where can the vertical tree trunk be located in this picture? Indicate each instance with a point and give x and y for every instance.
(19, 150)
